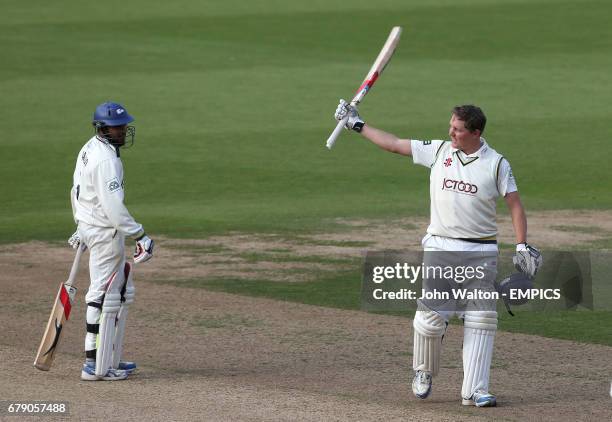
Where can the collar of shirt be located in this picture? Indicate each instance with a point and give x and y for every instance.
(483, 149)
(105, 141)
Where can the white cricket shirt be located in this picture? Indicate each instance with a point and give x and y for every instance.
(463, 188)
(97, 191)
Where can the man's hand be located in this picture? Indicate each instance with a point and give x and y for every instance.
(144, 249)
(354, 121)
(75, 240)
(527, 259)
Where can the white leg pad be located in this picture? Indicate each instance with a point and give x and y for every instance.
(121, 317)
(478, 337)
(429, 327)
(106, 337)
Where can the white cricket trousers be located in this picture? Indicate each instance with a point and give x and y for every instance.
(106, 257)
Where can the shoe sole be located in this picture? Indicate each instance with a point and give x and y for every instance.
(422, 396)
(86, 376)
(470, 402)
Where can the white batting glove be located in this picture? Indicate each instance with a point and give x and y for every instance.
(354, 122)
(75, 240)
(144, 249)
(527, 259)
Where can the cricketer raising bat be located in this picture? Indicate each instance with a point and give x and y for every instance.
(377, 69)
(59, 315)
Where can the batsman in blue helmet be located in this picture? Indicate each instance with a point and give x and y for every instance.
(103, 223)
(110, 121)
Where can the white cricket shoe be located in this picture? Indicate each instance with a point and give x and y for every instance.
(88, 373)
(480, 399)
(421, 384)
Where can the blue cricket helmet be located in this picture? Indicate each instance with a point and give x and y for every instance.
(111, 114)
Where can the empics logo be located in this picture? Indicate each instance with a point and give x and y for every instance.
(459, 186)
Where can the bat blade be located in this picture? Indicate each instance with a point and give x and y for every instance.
(59, 315)
(51, 337)
(375, 71)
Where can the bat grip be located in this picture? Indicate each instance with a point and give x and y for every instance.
(75, 264)
(334, 135)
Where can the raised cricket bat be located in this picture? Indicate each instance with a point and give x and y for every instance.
(59, 315)
(377, 69)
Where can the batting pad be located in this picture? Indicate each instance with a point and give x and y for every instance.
(121, 317)
(106, 337)
(478, 336)
(429, 327)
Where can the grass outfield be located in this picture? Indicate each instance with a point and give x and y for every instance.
(233, 103)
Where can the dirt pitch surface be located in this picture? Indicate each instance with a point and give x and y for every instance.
(213, 356)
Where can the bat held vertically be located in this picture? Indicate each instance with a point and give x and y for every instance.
(59, 315)
(375, 71)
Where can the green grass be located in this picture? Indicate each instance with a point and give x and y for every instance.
(233, 102)
(582, 326)
(603, 244)
(336, 291)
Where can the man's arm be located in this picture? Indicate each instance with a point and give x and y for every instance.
(527, 259)
(387, 141)
(519, 219)
(73, 199)
(384, 140)
(109, 189)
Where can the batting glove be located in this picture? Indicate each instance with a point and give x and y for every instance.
(75, 240)
(527, 259)
(346, 110)
(144, 249)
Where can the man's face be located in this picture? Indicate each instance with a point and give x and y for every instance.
(461, 138)
(116, 134)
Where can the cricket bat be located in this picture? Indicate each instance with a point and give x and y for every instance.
(375, 71)
(59, 315)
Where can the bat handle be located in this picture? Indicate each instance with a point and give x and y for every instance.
(75, 264)
(334, 135)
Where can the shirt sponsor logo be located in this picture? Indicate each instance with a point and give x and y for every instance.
(459, 186)
(114, 185)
